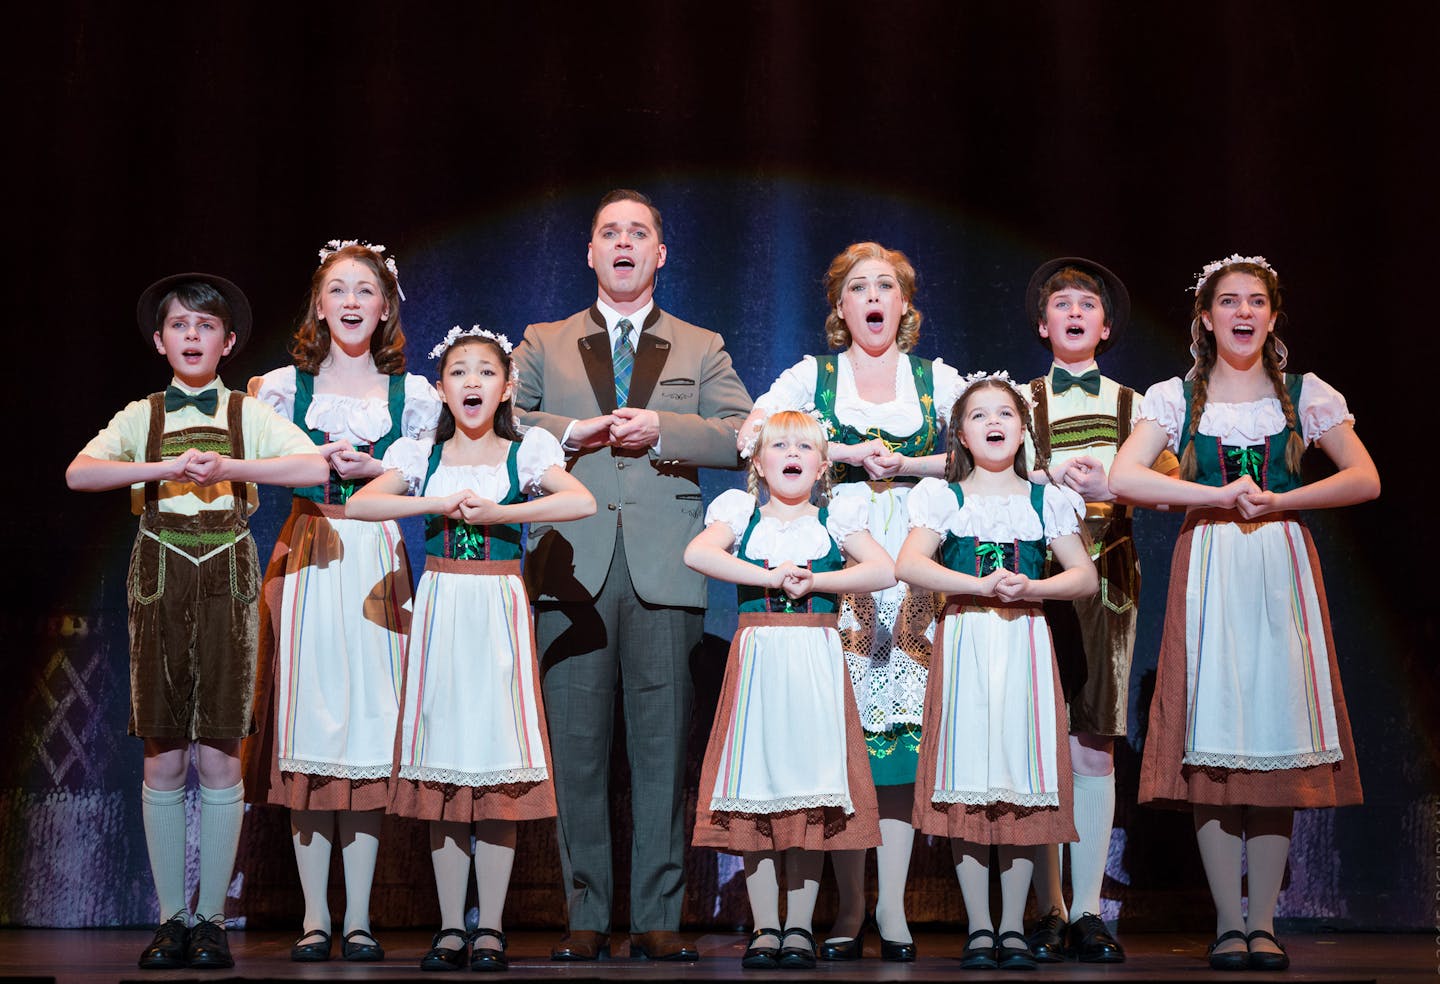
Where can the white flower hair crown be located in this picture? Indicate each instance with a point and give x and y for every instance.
(1022, 393)
(825, 424)
(474, 331)
(336, 245)
(1210, 269)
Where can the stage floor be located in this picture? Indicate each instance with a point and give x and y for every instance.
(92, 956)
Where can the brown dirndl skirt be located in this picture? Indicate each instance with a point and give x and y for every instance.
(1166, 781)
(989, 823)
(430, 800)
(819, 829)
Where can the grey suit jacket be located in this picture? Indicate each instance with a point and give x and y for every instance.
(684, 373)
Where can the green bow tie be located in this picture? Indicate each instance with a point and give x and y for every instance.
(205, 402)
(1061, 380)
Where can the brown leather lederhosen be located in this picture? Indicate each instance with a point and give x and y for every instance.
(1095, 637)
(192, 587)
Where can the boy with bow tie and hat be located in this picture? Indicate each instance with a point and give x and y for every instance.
(189, 455)
(1081, 418)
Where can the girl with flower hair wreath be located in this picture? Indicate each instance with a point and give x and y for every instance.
(473, 755)
(786, 773)
(337, 590)
(995, 757)
(1248, 720)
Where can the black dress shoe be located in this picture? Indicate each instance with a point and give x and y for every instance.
(1264, 959)
(487, 957)
(975, 957)
(897, 952)
(798, 957)
(1047, 939)
(1091, 942)
(761, 957)
(316, 951)
(167, 949)
(208, 946)
(1014, 957)
(851, 949)
(443, 958)
(893, 951)
(361, 952)
(1232, 960)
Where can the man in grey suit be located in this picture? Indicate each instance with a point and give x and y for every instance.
(641, 400)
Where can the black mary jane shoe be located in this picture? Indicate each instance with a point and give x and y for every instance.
(845, 949)
(979, 957)
(361, 952)
(1264, 959)
(1091, 942)
(167, 948)
(316, 951)
(1047, 939)
(1014, 957)
(488, 958)
(443, 958)
(1232, 960)
(762, 957)
(209, 948)
(798, 957)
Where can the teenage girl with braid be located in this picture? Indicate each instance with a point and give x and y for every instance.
(994, 757)
(1248, 720)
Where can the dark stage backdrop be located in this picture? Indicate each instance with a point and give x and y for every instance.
(979, 138)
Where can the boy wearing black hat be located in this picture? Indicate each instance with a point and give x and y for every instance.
(1081, 418)
(189, 455)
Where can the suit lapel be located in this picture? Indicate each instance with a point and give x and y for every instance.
(649, 360)
(595, 357)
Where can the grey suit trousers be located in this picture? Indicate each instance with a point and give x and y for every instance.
(585, 649)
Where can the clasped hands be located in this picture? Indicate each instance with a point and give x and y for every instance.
(874, 455)
(347, 462)
(1005, 584)
(630, 428)
(794, 580)
(1086, 475)
(470, 507)
(1247, 498)
(197, 467)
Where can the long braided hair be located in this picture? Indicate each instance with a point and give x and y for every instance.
(792, 424)
(1205, 355)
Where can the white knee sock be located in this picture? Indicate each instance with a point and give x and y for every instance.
(450, 856)
(222, 811)
(762, 887)
(312, 831)
(1094, 818)
(359, 833)
(494, 859)
(163, 812)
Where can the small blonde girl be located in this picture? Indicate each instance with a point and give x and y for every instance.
(786, 773)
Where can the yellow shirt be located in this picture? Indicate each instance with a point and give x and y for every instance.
(267, 435)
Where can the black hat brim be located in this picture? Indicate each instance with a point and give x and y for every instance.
(1119, 296)
(147, 309)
